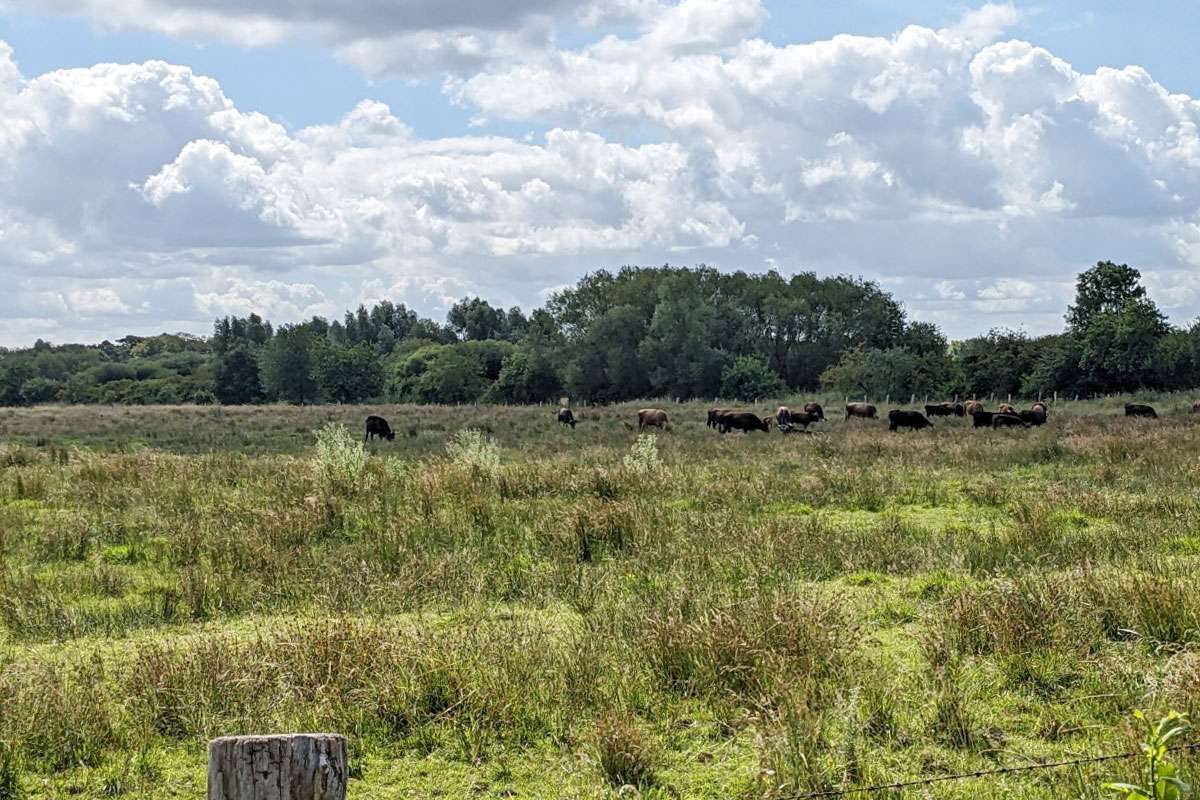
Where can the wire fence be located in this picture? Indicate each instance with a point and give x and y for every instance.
(983, 773)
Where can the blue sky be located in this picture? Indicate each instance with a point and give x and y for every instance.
(302, 158)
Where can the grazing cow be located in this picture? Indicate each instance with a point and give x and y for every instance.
(960, 410)
(861, 410)
(783, 416)
(743, 421)
(1007, 408)
(1008, 421)
(798, 419)
(378, 426)
(907, 419)
(566, 417)
(653, 418)
(815, 410)
(1139, 410)
(972, 406)
(983, 419)
(1034, 416)
(940, 410)
(714, 414)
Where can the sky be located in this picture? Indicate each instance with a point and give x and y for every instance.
(166, 162)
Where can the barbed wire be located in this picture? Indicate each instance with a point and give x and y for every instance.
(983, 773)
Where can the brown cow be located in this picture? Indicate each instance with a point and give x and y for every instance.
(783, 415)
(1195, 406)
(1039, 404)
(972, 406)
(940, 410)
(653, 418)
(1007, 408)
(815, 410)
(862, 410)
(567, 417)
(797, 420)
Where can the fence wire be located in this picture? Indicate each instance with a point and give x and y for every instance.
(983, 773)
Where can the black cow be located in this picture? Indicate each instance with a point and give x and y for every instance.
(566, 417)
(797, 419)
(714, 414)
(1139, 410)
(378, 426)
(743, 421)
(940, 410)
(907, 419)
(1034, 416)
(1008, 421)
(983, 419)
(815, 410)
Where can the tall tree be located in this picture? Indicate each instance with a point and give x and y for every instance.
(236, 378)
(288, 364)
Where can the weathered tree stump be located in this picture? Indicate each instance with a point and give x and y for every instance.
(298, 766)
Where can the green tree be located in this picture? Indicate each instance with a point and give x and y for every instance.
(474, 319)
(236, 379)
(1106, 288)
(349, 374)
(749, 378)
(438, 373)
(288, 364)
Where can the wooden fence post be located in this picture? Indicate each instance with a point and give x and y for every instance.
(297, 766)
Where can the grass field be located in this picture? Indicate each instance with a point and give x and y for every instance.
(750, 616)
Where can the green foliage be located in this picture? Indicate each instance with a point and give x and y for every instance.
(438, 373)
(642, 458)
(749, 378)
(236, 379)
(349, 374)
(288, 364)
(476, 451)
(339, 458)
(1160, 779)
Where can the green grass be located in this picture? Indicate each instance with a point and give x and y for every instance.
(758, 616)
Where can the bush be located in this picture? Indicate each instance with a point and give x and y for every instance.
(749, 378)
(340, 458)
(625, 752)
(643, 456)
(479, 453)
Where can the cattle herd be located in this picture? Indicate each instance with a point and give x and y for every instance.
(788, 421)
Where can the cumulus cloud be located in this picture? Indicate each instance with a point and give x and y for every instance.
(974, 174)
(410, 38)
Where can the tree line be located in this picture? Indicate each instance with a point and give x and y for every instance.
(639, 332)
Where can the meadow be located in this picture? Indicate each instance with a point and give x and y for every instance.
(541, 612)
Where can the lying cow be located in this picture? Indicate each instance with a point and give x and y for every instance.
(1139, 410)
(744, 421)
(653, 418)
(982, 419)
(566, 417)
(1008, 421)
(914, 420)
(861, 410)
(940, 410)
(378, 426)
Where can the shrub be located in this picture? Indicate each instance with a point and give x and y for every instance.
(625, 751)
(340, 458)
(643, 456)
(474, 450)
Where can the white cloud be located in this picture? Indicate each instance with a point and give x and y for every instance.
(976, 175)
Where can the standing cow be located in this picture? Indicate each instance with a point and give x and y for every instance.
(798, 419)
(714, 414)
(1008, 421)
(971, 406)
(783, 416)
(815, 410)
(566, 417)
(914, 420)
(861, 410)
(378, 426)
(940, 410)
(743, 421)
(653, 418)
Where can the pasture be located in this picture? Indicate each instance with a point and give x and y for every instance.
(749, 615)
